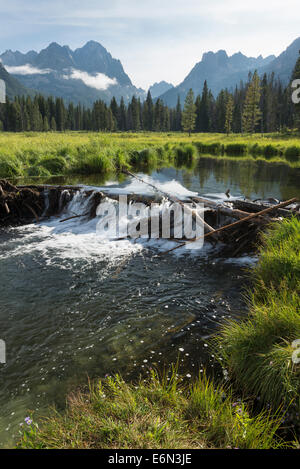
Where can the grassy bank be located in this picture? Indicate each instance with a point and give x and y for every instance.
(260, 352)
(162, 413)
(39, 154)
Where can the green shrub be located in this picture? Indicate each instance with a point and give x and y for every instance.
(37, 171)
(238, 149)
(9, 168)
(144, 157)
(255, 149)
(94, 164)
(185, 154)
(210, 148)
(121, 159)
(53, 164)
(270, 150)
(292, 153)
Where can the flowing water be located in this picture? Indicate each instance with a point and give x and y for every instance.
(73, 305)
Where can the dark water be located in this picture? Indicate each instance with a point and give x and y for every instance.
(71, 307)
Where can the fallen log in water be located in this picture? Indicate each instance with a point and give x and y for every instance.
(226, 210)
(249, 206)
(231, 225)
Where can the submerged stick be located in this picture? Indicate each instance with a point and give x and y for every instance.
(250, 217)
(74, 216)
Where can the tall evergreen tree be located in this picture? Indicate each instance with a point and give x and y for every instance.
(229, 113)
(251, 111)
(189, 113)
(204, 110)
(178, 115)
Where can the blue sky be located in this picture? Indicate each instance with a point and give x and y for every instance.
(155, 39)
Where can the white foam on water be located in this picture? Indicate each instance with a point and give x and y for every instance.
(134, 186)
(56, 240)
(244, 260)
(61, 241)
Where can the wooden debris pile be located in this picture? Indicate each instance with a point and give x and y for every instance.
(18, 205)
(23, 204)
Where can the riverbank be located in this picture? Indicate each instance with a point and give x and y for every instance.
(258, 356)
(162, 413)
(42, 155)
(260, 353)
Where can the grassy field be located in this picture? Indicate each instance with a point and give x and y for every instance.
(46, 154)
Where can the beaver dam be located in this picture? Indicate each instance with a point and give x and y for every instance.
(74, 304)
(235, 223)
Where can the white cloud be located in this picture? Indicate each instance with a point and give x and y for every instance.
(98, 81)
(26, 70)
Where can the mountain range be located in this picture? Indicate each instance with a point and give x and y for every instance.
(84, 75)
(222, 71)
(90, 73)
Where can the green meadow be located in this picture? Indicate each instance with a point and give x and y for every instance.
(47, 154)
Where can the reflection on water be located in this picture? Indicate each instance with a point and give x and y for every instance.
(71, 309)
(247, 178)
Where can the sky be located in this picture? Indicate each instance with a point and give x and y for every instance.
(154, 39)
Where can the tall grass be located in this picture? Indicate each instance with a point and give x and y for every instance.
(163, 412)
(185, 154)
(30, 153)
(258, 351)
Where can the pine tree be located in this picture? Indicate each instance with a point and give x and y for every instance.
(148, 113)
(46, 124)
(189, 113)
(198, 114)
(53, 124)
(178, 115)
(204, 118)
(220, 111)
(229, 114)
(135, 113)
(251, 111)
(115, 112)
(122, 115)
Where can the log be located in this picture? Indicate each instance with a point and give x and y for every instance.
(225, 210)
(253, 207)
(250, 217)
